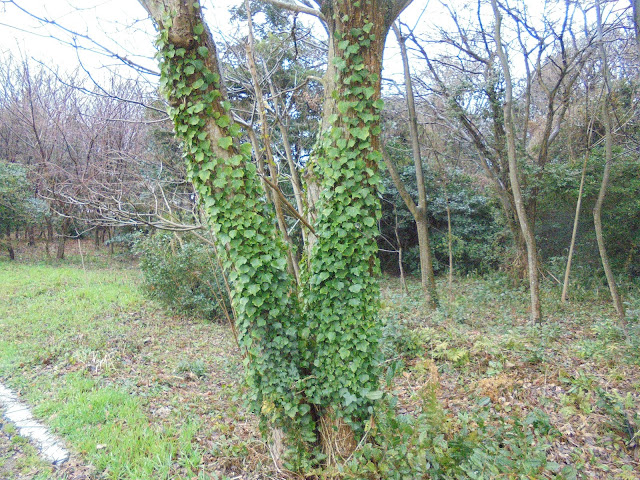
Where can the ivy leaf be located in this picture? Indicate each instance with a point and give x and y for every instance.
(199, 29)
(223, 121)
(355, 288)
(203, 51)
(349, 399)
(225, 142)
(375, 395)
(369, 92)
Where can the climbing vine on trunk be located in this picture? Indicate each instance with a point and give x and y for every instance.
(311, 354)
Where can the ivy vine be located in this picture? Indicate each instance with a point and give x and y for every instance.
(342, 295)
(263, 294)
(302, 357)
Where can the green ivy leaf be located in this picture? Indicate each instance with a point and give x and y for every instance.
(225, 142)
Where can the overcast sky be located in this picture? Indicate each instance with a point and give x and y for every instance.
(121, 26)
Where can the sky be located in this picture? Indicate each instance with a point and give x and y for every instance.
(121, 26)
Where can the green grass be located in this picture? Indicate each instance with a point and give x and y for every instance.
(97, 360)
(138, 394)
(18, 458)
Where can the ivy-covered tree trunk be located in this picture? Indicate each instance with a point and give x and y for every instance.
(341, 299)
(312, 355)
(255, 257)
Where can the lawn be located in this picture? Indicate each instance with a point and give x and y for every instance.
(137, 393)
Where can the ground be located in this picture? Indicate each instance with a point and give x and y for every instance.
(139, 393)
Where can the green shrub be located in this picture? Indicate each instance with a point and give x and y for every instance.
(182, 273)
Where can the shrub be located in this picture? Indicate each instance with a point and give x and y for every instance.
(182, 273)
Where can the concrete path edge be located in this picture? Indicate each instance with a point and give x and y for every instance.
(19, 414)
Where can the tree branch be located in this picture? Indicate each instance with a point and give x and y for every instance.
(294, 7)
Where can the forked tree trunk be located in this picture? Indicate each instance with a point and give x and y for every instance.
(304, 371)
(525, 225)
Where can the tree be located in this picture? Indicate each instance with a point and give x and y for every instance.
(510, 121)
(419, 210)
(311, 351)
(608, 160)
(14, 201)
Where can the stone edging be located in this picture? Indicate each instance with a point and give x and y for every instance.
(19, 414)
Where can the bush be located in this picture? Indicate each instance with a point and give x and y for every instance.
(182, 273)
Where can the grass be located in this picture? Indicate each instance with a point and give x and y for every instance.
(138, 394)
(127, 387)
(577, 370)
(19, 460)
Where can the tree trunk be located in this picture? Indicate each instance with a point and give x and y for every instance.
(567, 272)
(449, 246)
(265, 298)
(427, 275)
(62, 236)
(527, 232)
(635, 4)
(343, 260)
(31, 236)
(608, 148)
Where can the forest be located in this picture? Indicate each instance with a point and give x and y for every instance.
(337, 239)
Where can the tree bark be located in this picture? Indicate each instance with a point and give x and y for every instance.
(419, 211)
(62, 236)
(635, 5)
(608, 148)
(532, 253)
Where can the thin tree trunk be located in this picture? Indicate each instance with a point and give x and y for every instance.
(427, 275)
(296, 184)
(449, 246)
(608, 146)
(532, 254)
(62, 236)
(402, 277)
(292, 262)
(574, 233)
(567, 272)
(31, 236)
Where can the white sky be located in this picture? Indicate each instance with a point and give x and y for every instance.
(121, 26)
